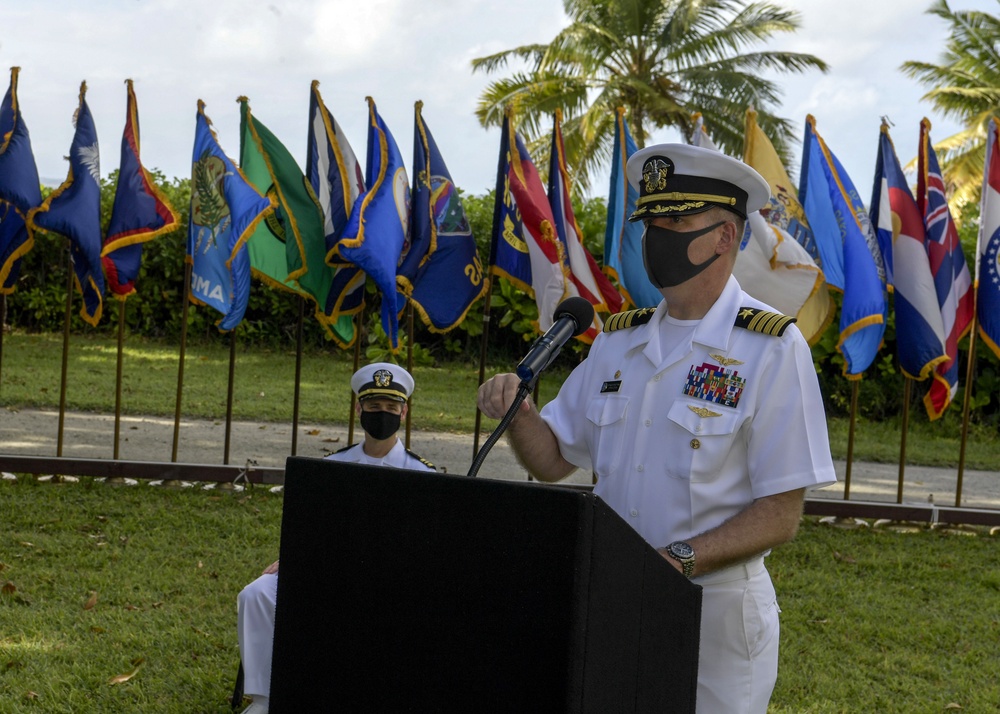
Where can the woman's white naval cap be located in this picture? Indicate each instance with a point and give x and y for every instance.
(382, 379)
(680, 179)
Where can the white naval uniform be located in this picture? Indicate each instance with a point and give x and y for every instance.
(675, 457)
(255, 604)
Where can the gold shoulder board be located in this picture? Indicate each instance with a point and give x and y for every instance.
(422, 460)
(768, 323)
(629, 318)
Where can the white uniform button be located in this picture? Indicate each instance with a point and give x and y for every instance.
(656, 378)
(639, 468)
(633, 512)
(697, 429)
(649, 422)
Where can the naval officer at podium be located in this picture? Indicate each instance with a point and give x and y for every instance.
(702, 417)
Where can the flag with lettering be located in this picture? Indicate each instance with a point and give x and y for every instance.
(441, 273)
(774, 264)
(920, 336)
(225, 211)
(74, 210)
(622, 239)
(848, 248)
(525, 248)
(140, 211)
(585, 277)
(952, 281)
(378, 229)
(988, 246)
(19, 187)
(337, 180)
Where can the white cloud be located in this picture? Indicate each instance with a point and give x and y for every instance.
(399, 51)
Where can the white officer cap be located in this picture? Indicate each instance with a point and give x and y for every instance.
(382, 379)
(680, 179)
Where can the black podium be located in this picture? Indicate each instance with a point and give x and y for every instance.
(402, 591)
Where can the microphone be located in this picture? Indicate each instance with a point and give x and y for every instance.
(572, 317)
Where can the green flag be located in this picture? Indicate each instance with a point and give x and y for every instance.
(288, 249)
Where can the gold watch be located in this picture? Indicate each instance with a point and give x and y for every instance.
(683, 554)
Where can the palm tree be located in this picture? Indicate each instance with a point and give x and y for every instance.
(965, 86)
(664, 60)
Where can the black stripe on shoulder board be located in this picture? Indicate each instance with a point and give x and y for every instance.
(629, 318)
(763, 321)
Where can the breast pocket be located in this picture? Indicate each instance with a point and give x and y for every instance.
(606, 415)
(704, 441)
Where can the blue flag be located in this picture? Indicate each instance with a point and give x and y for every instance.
(336, 178)
(377, 232)
(225, 210)
(19, 187)
(920, 335)
(440, 273)
(852, 260)
(509, 256)
(623, 240)
(140, 212)
(74, 210)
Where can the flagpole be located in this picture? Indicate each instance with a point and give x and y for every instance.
(118, 376)
(3, 323)
(967, 399)
(409, 363)
(180, 366)
(298, 374)
(229, 392)
(850, 439)
(359, 321)
(482, 359)
(907, 389)
(65, 352)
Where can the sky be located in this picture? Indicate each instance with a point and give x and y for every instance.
(398, 52)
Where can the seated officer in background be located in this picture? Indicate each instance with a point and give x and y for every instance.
(702, 418)
(382, 390)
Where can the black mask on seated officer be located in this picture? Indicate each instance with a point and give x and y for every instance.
(665, 254)
(380, 425)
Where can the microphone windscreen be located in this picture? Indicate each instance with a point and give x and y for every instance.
(577, 308)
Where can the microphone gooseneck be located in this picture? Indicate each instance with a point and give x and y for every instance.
(572, 317)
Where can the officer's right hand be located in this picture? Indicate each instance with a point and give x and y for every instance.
(498, 393)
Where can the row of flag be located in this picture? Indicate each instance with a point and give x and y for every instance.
(320, 233)
(821, 236)
(139, 213)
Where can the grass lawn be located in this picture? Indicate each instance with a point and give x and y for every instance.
(100, 582)
(444, 399)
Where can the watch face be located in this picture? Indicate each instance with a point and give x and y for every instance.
(681, 550)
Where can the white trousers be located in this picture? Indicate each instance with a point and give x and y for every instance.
(738, 656)
(255, 629)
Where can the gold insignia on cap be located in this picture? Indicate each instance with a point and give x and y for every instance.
(725, 361)
(382, 378)
(703, 412)
(655, 173)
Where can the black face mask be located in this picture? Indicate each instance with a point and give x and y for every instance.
(665, 255)
(380, 425)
